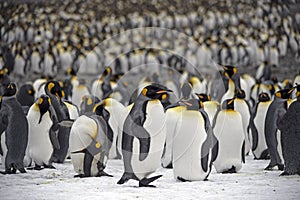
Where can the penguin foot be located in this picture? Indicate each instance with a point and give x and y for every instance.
(103, 173)
(9, 171)
(270, 167)
(126, 176)
(37, 167)
(80, 176)
(230, 171)
(49, 167)
(146, 181)
(285, 173)
(169, 166)
(182, 179)
(22, 170)
(280, 167)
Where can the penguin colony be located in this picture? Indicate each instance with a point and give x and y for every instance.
(146, 106)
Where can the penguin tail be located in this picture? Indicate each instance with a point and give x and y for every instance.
(146, 181)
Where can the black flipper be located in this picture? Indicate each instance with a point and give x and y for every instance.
(87, 163)
(146, 181)
(54, 139)
(243, 152)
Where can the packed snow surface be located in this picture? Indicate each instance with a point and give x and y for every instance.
(252, 182)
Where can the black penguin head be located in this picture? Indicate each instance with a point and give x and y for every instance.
(88, 102)
(192, 104)
(107, 71)
(155, 91)
(71, 71)
(240, 94)
(284, 93)
(229, 70)
(228, 104)
(203, 97)
(25, 95)
(186, 89)
(43, 102)
(263, 97)
(9, 90)
(53, 87)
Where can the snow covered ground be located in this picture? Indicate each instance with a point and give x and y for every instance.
(252, 182)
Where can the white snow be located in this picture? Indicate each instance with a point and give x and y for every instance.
(252, 182)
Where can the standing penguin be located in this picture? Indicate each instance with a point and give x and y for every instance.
(242, 106)
(13, 121)
(257, 127)
(102, 88)
(229, 129)
(194, 147)
(114, 115)
(276, 110)
(42, 139)
(290, 137)
(54, 91)
(144, 136)
(25, 96)
(89, 145)
(231, 82)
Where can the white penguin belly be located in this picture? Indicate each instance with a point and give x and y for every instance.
(188, 141)
(155, 125)
(259, 122)
(229, 132)
(40, 147)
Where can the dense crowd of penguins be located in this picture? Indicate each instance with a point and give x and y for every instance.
(148, 89)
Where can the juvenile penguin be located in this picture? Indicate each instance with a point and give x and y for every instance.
(42, 139)
(87, 104)
(194, 145)
(229, 129)
(276, 110)
(25, 96)
(144, 136)
(257, 127)
(89, 145)
(290, 137)
(13, 121)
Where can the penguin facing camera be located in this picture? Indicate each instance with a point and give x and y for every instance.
(144, 135)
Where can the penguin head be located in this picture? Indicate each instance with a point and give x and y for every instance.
(284, 93)
(263, 97)
(192, 104)
(107, 71)
(88, 102)
(71, 71)
(53, 87)
(228, 104)
(43, 102)
(186, 89)
(25, 95)
(240, 94)
(229, 71)
(203, 97)
(155, 91)
(9, 90)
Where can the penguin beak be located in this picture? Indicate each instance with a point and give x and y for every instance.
(291, 90)
(163, 91)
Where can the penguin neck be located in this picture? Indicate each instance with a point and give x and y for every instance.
(5, 98)
(231, 85)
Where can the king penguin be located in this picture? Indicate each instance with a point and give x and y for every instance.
(290, 140)
(114, 115)
(242, 106)
(143, 136)
(257, 125)
(42, 139)
(54, 91)
(229, 129)
(13, 121)
(89, 145)
(194, 145)
(276, 110)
